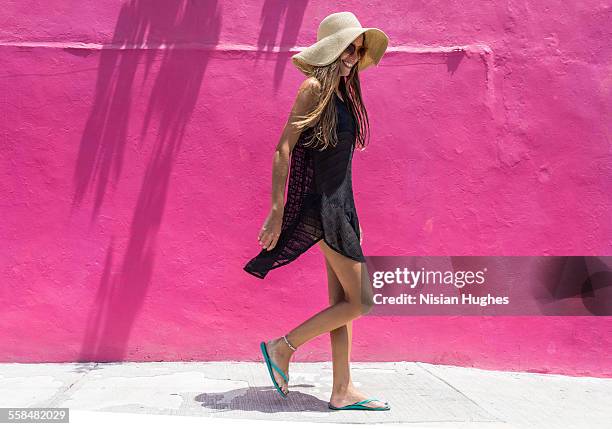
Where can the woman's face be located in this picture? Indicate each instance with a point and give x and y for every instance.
(349, 59)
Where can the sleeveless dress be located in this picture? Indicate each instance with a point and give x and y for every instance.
(320, 204)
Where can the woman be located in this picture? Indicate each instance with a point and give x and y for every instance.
(327, 121)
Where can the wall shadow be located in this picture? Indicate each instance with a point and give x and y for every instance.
(177, 79)
(272, 14)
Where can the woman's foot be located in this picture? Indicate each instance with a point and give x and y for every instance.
(280, 353)
(349, 395)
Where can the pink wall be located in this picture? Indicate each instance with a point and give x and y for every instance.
(134, 181)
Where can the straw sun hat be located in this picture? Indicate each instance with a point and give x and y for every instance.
(335, 34)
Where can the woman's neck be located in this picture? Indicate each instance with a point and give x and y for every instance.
(338, 88)
(338, 84)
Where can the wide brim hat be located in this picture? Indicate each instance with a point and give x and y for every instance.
(335, 34)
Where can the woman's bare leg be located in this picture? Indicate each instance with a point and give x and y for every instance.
(343, 390)
(349, 273)
(341, 337)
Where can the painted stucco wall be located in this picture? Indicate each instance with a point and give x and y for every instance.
(136, 161)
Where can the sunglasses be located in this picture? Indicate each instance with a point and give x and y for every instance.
(350, 49)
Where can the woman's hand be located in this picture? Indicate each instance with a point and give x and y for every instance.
(270, 231)
(360, 235)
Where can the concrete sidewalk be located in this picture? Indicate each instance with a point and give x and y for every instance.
(420, 394)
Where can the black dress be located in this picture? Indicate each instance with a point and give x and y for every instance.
(319, 202)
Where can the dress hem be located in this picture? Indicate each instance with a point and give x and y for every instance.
(254, 273)
(283, 263)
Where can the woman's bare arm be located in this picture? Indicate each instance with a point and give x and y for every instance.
(305, 101)
(280, 166)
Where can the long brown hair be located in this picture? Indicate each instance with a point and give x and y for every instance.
(322, 119)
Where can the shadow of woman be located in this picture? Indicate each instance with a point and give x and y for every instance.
(262, 398)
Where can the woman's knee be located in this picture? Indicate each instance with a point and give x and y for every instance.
(367, 296)
(366, 307)
(356, 310)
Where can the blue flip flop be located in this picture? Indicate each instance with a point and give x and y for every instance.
(270, 365)
(360, 406)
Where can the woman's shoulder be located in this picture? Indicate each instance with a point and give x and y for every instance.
(307, 96)
(311, 83)
(310, 89)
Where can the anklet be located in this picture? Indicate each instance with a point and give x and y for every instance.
(289, 344)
